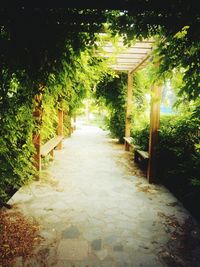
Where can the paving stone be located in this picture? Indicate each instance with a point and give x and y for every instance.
(74, 250)
(111, 239)
(90, 235)
(96, 244)
(122, 258)
(118, 248)
(101, 254)
(71, 232)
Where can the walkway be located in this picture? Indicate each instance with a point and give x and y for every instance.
(94, 212)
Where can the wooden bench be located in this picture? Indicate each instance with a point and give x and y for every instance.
(49, 146)
(128, 142)
(141, 157)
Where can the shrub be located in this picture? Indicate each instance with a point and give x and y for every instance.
(140, 135)
(49, 119)
(117, 124)
(178, 155)
(16, 150)
(179, 158)
(112, 90)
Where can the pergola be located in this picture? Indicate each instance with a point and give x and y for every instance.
(127, 59)
(130, 59)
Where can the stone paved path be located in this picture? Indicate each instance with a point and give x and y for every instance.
(94, 212)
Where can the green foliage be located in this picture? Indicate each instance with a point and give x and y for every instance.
(60, 29)
(179, 159)
(113, 91)
(142, 83)
(117, 124)
(64, 87)
(16, 147)
(42, 51)
(183, 54)
(66, 125)
(49, 118)
(37, 39)
(175, 25)
(15, 139)
(140, 134)
(178, 155)
(178, 140)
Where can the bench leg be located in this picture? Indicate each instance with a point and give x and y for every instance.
(126, 146)
(135, 157)
(59, 146)
(52, 153)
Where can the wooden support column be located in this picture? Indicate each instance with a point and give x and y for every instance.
(153, 136)
(37, 155)
(37, 114)
(128, 107)
(87, 110)
(60, 127)
(71, 126)
(74, 118)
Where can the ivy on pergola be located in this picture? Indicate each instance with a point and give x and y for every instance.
(37, 44)
(36, 40)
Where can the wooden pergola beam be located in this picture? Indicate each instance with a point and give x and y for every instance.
(130, 56)
(127, 60)
(121, 53)
(128, 50)
(121, 68)
(143, 44)
(129, 64)
(141, 63)
(126, 66)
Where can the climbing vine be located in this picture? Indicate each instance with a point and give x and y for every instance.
(112, 91)
(43, 52)
(15, 134)
(64, 88)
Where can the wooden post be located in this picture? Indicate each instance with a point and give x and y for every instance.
(52, 153)
(71, 126)
(153, 136)
(128, 108)
(37, 156)
(87, 111)
(60, 127)
(74, 118)
(37, 114)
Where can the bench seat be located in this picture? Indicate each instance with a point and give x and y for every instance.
(50, 145)
(141, 157)
(143, 154)
(128, 142)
